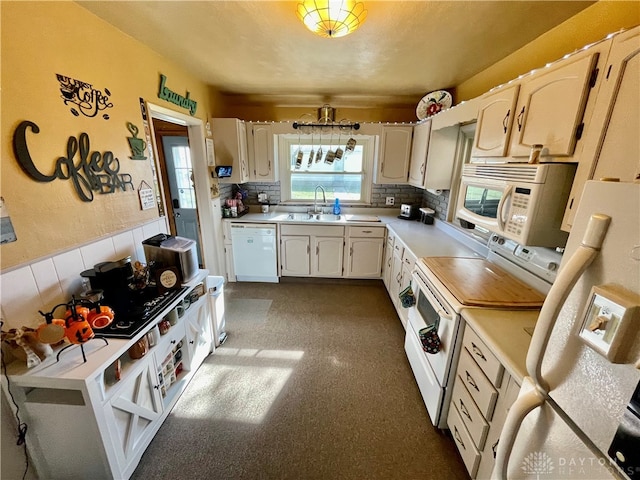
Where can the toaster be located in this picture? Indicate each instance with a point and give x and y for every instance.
(408, 211)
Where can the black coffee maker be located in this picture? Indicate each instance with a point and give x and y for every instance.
(115, 280)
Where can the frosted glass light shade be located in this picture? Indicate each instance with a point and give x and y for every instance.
(332, 18)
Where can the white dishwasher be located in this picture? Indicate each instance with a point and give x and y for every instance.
(255, 256)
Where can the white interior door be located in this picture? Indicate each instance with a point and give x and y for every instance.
(182, 188)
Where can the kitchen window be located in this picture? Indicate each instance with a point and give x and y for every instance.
(348, 178)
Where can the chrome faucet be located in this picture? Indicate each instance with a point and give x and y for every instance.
(315, 199)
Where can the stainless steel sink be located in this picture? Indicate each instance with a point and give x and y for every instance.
(314, 217)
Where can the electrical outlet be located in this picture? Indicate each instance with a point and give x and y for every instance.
(390, 201)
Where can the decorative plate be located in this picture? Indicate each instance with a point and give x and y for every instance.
(432, 103)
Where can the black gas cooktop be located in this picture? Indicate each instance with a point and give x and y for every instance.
(143, 308)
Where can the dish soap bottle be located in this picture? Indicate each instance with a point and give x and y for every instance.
(336, 207)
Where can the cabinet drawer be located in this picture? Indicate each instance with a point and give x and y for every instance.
(313, 230)
(489, 364)
(478, 385)
(408, 259)
(469, 413)
(373, 232)
(398, 248)
(470, 456)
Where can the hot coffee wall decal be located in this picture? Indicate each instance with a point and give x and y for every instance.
(93, 171)
(85, 99)
(170, 96)
(136, 144)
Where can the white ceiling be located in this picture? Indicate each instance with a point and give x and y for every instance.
(404, 48)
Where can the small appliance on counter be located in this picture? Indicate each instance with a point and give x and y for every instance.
(171, 251)
(114, 280)
(408, 211)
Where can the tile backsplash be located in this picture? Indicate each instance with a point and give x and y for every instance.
(401, 194)
(49, 281)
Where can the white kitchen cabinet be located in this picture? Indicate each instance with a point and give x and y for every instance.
(228, 251)
(495, 118)
(551, 105)
(295, 255)
(388, 259)
(419, 148)
(408, 262)
(548, 106)
(483, 393)
(133, 414)
(364, 251)
(611, 146)
(326, 257)
(199, 337)
(394, 155)
(311, 250)
(441, 158)
(68, 402)
(230, 143)
(260, 149)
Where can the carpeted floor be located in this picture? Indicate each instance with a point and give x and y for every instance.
(312, 383)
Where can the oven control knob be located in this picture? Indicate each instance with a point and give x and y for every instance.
(552, 266)
(500, 241)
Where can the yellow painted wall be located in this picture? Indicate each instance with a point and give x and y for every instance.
(40, 40)
(592, 24)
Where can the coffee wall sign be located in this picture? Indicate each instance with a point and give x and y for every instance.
(92, 172)
(136, 144)
(84, 99)
(170, 96)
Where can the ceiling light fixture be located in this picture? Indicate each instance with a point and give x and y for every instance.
(332, 18)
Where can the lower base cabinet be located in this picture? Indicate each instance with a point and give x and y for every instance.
(483, 393)
(95, 419)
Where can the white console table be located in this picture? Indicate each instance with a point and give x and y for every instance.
(82, 422)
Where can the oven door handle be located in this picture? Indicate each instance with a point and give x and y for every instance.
(426, 291)
(508, 191)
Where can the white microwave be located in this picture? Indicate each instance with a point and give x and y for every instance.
(523, 202)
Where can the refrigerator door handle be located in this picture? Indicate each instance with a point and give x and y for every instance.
(529, 399)
(565, 281)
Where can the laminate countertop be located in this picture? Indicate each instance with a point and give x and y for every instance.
(504, 333)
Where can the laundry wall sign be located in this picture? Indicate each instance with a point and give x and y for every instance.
(84, 99)
(169, 95)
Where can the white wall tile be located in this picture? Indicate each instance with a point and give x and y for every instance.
(151, 229)
(138, 237)
(69, 265)
(96, 252)
(123, 245)
(20, 299)
(46, 277)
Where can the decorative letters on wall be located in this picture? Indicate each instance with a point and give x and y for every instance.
(170, 96)
(85, 99)
(93, 172)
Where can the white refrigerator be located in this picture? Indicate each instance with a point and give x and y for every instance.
(584, 360)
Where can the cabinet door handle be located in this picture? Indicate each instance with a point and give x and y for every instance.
(156, 387)
(192, 342)
(422, 169)
(519, 119)
(464, 410)
(308, 249)
(173, 342)
(471, 381)
(366, 231)
(457, 435)
(494, 448)
(505, 120)
(317, 250)
(478, 352)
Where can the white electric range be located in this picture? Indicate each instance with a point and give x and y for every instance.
(511, 277)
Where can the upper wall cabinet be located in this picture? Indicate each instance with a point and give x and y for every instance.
(230, 143)
(394, 154)
(419, 148)
(260, 148)
(546, 107)
(495, 118)
(611, 146)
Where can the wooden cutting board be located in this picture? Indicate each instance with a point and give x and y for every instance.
(477, 282)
